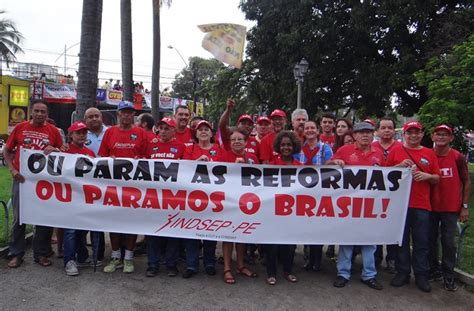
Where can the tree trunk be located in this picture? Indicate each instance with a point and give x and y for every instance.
(89, 55)
(155, 74)
(127, 54)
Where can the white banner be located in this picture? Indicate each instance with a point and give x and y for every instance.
(216, 201)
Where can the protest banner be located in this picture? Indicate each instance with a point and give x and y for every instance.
(216, 201)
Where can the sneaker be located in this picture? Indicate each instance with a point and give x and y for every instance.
(210, 270)
(84, 264)
(340, 281)
(71, 268)
(188, 273)
(450, 285)
(391, 267)
(172, 271)
(151, 272)
(128, 266)
(423, 284)
(372, 283)
(435, 276)
(113, 265)
(400, 279)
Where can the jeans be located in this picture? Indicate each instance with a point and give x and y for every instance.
(41, 234)
(444, 224)
(418, 226)
(391, 253)
(153, 251)
(286, 253)
(209, 253)
(75, 243)
(344, 261)
(192, 253)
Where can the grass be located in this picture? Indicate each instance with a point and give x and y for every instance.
(5, 193)
(467, 261)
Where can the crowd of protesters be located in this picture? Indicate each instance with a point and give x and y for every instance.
(439, 197)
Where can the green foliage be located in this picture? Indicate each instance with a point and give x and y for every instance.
(450, 83)
(10, 40)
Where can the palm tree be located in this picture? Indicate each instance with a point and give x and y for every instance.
(127, 54)
(155, 73)
(10, 40)
(91, 26)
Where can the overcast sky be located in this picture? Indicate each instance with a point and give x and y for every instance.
(48, 25)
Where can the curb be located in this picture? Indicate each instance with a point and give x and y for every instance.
(464, 277)
(4, 250)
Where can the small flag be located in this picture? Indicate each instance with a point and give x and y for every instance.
(225, 42)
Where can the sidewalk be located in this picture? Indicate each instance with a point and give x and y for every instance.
(32, 287)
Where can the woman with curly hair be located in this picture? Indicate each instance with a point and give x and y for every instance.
(286, 144)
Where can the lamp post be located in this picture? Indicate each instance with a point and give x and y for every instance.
(299, 71)
(193, 69)
(65, 55)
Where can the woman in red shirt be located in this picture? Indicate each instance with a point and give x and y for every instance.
(286, 144)
(237, 154)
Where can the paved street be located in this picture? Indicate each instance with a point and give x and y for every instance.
(32, 287)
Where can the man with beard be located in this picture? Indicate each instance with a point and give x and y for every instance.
(298, 118)
(183, 132)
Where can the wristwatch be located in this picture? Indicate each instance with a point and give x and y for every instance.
(465, 205)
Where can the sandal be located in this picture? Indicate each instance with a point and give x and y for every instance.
(43, 261)
(15, 262)
(291, 277)
(246, 272)
(271, 280)
(228, 277)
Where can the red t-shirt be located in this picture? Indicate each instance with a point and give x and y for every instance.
(252, 146)
(172, 149)
(279, 161)
(447, 195)
(194, 151)
(426, 159)
(353, 155)
(330, 140)
(376, 144)
(32, 137)
(130, 143)
(186, 136)
(73, 149)
(266, 148)
(230, 157)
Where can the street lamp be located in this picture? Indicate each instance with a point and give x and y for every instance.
(299, 71)
(65, 55)
(192, 68)
(182, 58)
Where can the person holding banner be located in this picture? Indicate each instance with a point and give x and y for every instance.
(183, 132)
(203, 150)
(313, 152)
(75, 240)
(360, 153)
(450, 204)
(34, 134)
(237, 154)
(425, 168)
(267, 153)
(164, 146)
(286, 144)
(245, 122)
(125, 141)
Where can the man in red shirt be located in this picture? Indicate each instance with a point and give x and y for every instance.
(386, 133)
(360, 153)
(245, 122)
(267, 154)
(34, 134)
(125, 141)
(328, 122)
(263, 128)
(426, 172)
(164, 146)
(298, 119)
(449, 203)
(183, 132)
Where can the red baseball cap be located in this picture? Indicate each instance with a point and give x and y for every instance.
(370, 121)
(204, 122)
(168, 121)
(412, 124)
(245, 117)
(263, 119)
(77, 126)
(278, 113)
(443, 127)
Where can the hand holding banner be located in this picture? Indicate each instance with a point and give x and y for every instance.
(225, 42)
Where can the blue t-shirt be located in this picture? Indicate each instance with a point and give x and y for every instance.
(317, 156)
(93, 142)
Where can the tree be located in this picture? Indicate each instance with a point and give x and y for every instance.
(126, 45)
(10, 40)
(155, 72)
(449, 79)
(91, 26)
(360, 53)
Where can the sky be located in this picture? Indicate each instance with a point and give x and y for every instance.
(50, 25)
